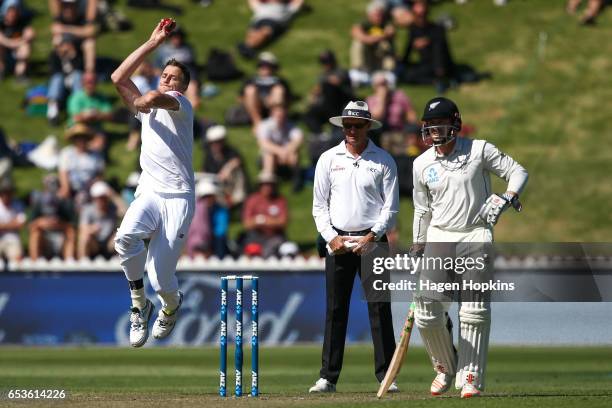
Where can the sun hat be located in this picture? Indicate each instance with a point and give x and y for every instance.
(78, 129)
(99, 189)
(205, 188)
(216, 133)
(356, 110)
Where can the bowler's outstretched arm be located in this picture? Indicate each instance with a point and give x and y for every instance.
(128, 90)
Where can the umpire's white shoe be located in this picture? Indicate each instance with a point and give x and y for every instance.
(469, 388)
(322, 385)
(165, 322)
(441, 384)
(139, 324)
(393, 388)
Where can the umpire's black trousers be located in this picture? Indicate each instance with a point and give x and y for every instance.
(340, 274)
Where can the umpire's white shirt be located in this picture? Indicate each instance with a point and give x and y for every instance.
(354, 194)
(166, 153)
(449, 190)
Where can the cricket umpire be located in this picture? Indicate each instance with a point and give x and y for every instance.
(355, 201)
(454, 207)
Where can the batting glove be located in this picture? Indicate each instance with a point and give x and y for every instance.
(416, 250)
(495, 205)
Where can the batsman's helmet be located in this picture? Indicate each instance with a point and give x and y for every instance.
(440, 108)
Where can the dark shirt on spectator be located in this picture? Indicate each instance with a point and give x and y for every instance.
(436, 54)
(213, 164)
(79, 20)
(265, 84)
(335, 97)
(65, 66)
(48, 204)
(15, 31)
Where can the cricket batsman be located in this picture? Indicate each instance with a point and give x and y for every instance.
(453, 203)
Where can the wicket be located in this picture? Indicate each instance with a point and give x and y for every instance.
(254, 335)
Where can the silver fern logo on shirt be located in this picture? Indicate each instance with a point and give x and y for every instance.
(432, 176)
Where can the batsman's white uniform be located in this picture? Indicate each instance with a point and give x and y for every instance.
(165, 198)
(448, 193)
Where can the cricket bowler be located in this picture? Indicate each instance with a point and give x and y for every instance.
(165, 197)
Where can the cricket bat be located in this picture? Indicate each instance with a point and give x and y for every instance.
(398, 356)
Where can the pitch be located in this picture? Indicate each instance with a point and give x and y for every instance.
(185, 377)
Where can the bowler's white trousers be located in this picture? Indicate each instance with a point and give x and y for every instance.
(164, 219)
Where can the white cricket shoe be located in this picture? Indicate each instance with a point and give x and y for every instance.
(441, 384)
(165, 323)
(322, 385)
(139, 324)
(469, 388)
(393, 388)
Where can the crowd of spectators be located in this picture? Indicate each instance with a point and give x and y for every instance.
(76, 212)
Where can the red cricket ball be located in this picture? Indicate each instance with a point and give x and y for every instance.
(168, 24)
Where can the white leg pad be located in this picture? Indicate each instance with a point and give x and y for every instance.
(475, 326)
(432, 320)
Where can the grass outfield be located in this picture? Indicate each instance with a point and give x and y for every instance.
(113, 377)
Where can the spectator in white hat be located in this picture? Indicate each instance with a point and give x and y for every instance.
(98, 221)
(226, 164)
(209, 228)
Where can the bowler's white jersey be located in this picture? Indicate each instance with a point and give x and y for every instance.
(449, 190)
(167, 148)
